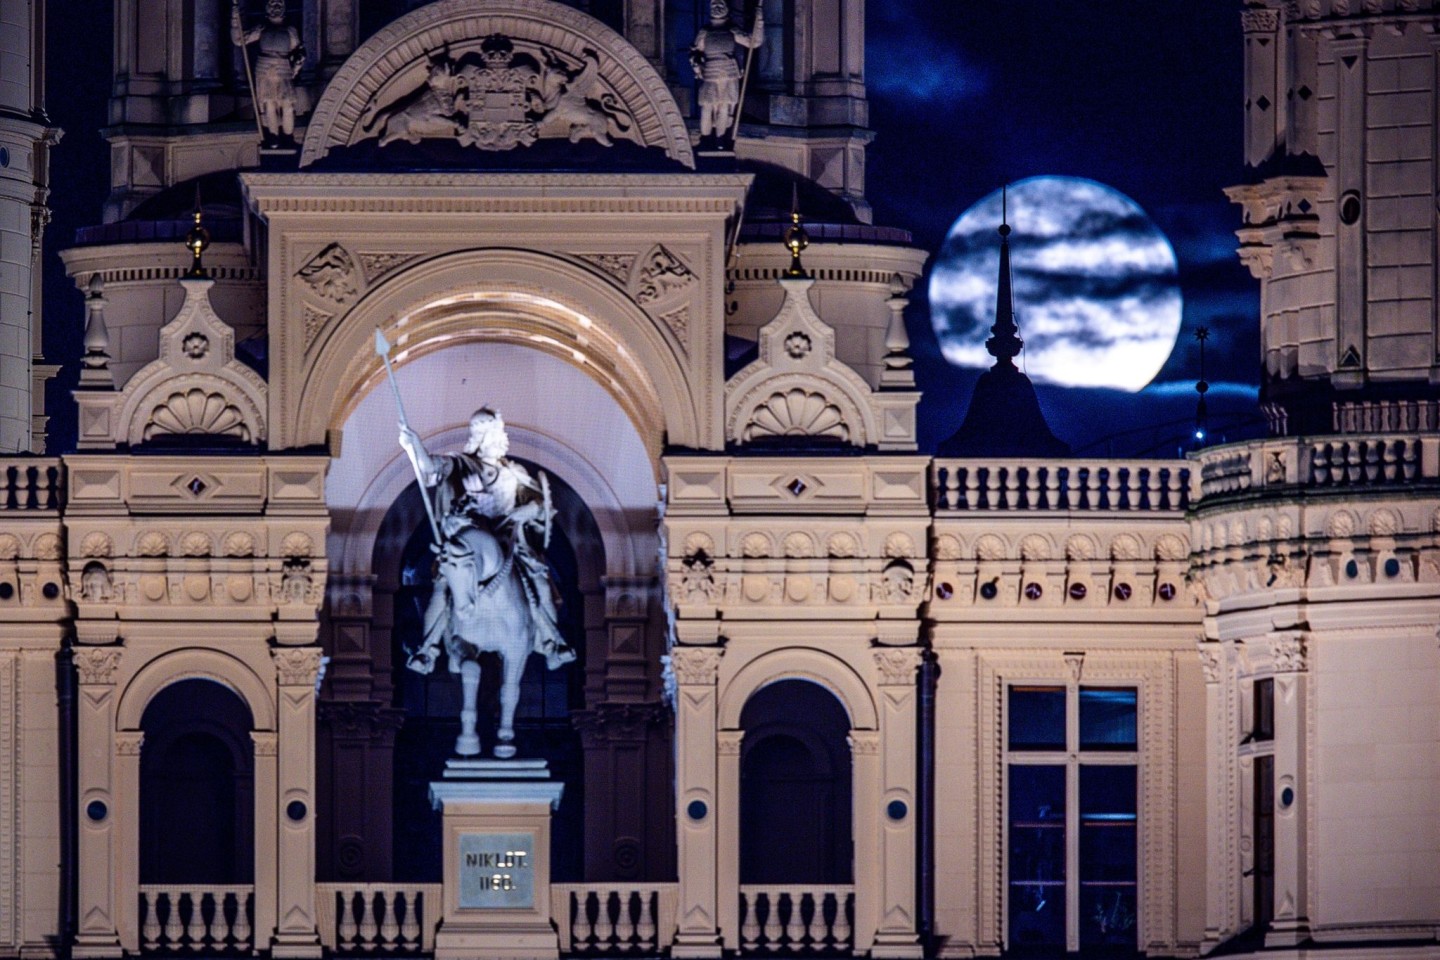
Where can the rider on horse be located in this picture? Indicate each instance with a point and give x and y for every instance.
(478, 492)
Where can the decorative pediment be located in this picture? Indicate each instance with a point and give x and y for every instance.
(797, 390)
(497, 76)
(195, 387)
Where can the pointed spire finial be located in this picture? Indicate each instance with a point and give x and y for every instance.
(1005, 343)
(197, 241)
(1202, 387)
(796, 239)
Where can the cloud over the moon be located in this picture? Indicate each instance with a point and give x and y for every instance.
(1096, 284)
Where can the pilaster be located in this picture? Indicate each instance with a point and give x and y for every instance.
(99, 847)
(896, 932)
(697, 836)
(297, 670)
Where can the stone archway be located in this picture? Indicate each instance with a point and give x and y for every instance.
(597, 457)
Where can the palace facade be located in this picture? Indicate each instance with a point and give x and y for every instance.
(834, 694)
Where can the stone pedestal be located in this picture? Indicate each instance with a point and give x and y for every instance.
(496, 832)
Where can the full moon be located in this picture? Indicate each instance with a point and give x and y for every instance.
(1096, 291)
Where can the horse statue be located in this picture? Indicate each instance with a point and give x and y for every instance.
(488, 613)
(492, 588)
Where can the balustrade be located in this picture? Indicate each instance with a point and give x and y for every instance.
(614, 918)
(30, 483)
(1074, 485)
(212, 919)
(378, 917)
(797, 919)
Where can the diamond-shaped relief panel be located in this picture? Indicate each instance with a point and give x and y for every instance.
(1305, 93)
(197, 485)
(797, 486)
(1263, 103)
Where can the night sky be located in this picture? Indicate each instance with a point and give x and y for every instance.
(1142, 95)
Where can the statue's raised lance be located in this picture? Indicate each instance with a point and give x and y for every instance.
(492, 588)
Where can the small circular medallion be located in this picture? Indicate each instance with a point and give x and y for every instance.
(1166, 592)
(1033, 591)
(96, 810)
(697, 810)
(1077, 591)
(296, 810)
(896, 810)
(1123, 591)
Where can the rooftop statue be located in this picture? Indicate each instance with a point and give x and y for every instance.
(492, 588)
(278, 59)
(713, 57)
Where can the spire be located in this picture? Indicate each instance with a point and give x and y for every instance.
(1005, 343)
(1004, 418)
(1202, 387)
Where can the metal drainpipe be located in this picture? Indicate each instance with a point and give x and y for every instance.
(65, 746)
(925, 787)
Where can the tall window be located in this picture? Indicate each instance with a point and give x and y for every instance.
(1071, 760)
(1259, 743)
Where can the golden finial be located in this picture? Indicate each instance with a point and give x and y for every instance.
(197, 240)
(796, 239)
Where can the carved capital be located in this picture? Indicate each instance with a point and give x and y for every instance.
(897, 665)
(1260, 21)
(97, 664)
(129, 742)
(297, 666)
(1289, 654)
(864, 742)
(618, 722)
(727, 742)
(1211, 661)
(266, 742)
(696, 665)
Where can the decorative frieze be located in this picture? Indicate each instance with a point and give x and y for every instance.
(129, 743)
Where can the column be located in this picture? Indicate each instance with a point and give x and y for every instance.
(1263, 101)
(896, 933)
(297, 669)
(1350, 201)
(267, 808)
(696, 669)
(126, 875)
(1292, 920)
(727, 769)
(1218, 759)
(97, 933)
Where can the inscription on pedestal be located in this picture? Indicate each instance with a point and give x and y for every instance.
(497, 870)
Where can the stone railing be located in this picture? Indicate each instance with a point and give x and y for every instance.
(378, 917)
(198, 918)
(614, 918)
(797, 919)
(1062, 485)
(31, 484)
(1338, 462)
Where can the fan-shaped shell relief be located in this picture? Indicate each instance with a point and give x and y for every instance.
(796, 413)
(198, 411)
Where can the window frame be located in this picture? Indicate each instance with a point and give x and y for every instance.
(1071, 759)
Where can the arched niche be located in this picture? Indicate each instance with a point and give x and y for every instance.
(797, 663)
(191, 664)
(589, 442)
(197, 788)
(499, 296)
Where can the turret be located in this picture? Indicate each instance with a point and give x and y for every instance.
(25, 141)
(1339, 213)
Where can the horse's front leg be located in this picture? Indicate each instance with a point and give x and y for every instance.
(468, 743)
(509, 697)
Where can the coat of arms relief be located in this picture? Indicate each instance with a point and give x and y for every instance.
(507, 94)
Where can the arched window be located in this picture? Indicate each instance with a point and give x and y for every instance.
(795, 790)
(197, 799)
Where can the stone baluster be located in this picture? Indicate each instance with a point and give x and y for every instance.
(750, 927)
(195, 929)
(410, 925)
(368, 927)
(771, 928)
(389, 928)
(841, 929)
(645, 928)
(241, 928)
(794, 925)
(604, 926)
(579, 922)
(346, 929)
(174, 929)
(624, 923)
(150, 932)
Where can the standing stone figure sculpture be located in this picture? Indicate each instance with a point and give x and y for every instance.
(713, 58)
(278, 58)
(492, 588)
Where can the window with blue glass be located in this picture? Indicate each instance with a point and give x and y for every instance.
(1072, 820)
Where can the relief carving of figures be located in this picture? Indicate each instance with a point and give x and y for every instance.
(697, 580)
(278, 59)
(331, 274)
(696, 665)
(713, 58)
(97, 664)
(503, 97)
